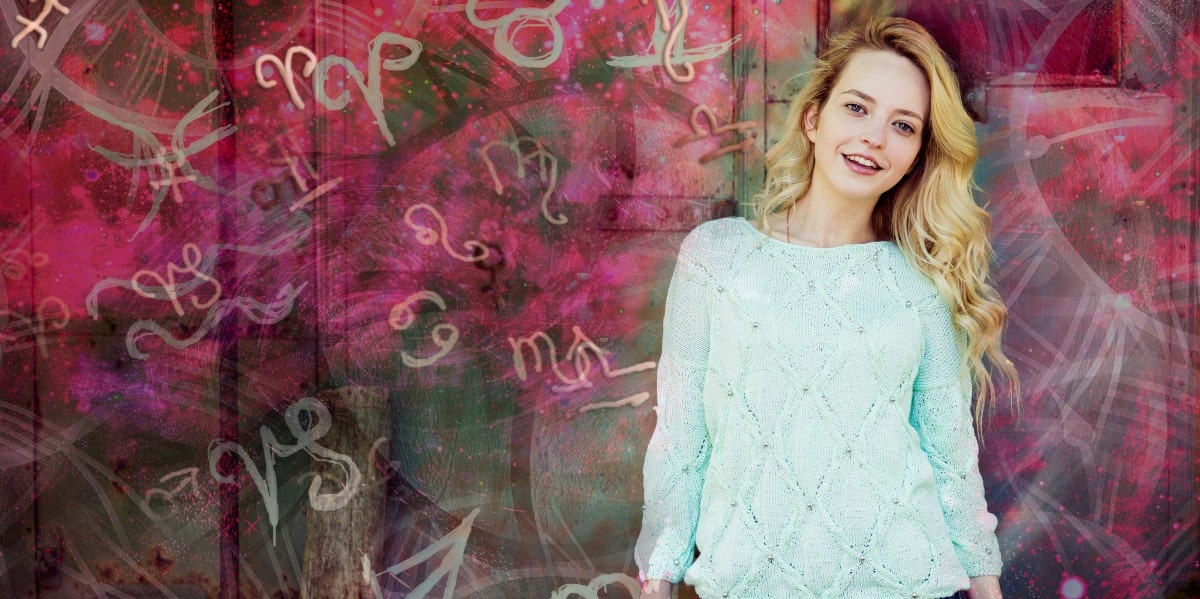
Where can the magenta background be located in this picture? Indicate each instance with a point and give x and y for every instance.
(1091, 179)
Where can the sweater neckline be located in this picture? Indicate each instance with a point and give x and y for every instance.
(808, 248)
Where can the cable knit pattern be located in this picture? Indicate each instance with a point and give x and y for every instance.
(814, 434)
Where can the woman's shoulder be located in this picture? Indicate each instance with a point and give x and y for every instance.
(911, 283)
(717, 236)
(713, 246)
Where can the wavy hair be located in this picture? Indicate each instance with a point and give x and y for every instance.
(930, 214)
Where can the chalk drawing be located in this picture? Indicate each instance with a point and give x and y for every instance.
(668, 45)
(370, 85)
(284, 68)
(455, 543)
(579, 351)
(191, 260)
(35, 26)
(522, 18)
(547, 171)
(51, 313)
(715, 128)
(590, 591)
(429, 236)
(443, 335)
(306, 440)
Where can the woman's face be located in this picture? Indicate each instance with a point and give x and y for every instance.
(877, 111)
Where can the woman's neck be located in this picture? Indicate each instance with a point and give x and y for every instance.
(819, 222)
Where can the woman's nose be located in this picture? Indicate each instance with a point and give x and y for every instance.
(874, 132)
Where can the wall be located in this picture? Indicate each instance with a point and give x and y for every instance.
(333, 299)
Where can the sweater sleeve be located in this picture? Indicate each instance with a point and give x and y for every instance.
(941, 415)
(677, 456)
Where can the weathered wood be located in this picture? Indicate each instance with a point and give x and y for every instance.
(335, 541)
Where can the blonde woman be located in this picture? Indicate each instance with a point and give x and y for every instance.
(814, 433)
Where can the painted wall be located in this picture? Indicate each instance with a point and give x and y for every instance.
(333, 299)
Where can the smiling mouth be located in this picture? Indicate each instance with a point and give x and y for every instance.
(867, 163)
(859, 166)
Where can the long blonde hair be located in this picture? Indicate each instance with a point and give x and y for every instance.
(930, 214)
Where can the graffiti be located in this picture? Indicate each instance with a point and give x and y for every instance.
(590, 591)
(578, 352)
(269, 191)
(715, 129)
(186, 478)
(51, 313)
(443, 335)
(522, 18)
(260, 312)
(191, 260)
(381, 200)
(284, 68)
(12, 268)
(547, 170)
(172, 179)
(18, 439)
(306, 440)
(370, 85)
(148, 152)
(35, 26)
(429, 236)
(668, 45)
(315, 193)
(454, 543)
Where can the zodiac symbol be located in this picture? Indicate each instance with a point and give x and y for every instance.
(306, 440)
(599, 582)
(187, 477)
(668, 45)
(37, 325)
(577, 353)
(455, 541)
(285, 71)
(665, 22)
(443, 335)
(172, 179)
(13, 270)
(262, 313)
(191, 259)
(697, 134)
(370, 85)
(522, 159)
(428, 236)
(148, 152)
(35, 26)
(523, 17)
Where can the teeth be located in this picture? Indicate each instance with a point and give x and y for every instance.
(863, 161)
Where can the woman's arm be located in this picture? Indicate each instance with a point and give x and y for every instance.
(677, 455)
(941, 415)
(982, 587)
(656, 589)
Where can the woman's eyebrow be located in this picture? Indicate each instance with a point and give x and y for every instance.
(872, 100)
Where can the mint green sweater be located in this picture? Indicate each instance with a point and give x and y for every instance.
(814, 434)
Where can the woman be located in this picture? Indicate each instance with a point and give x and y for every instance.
(814, 434)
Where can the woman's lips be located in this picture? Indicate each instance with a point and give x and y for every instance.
(858, 168)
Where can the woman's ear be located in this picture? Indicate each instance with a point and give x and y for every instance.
(810, 122)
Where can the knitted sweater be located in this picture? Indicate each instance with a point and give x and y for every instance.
(814, 434)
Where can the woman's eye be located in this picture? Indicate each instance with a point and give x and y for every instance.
(852, 106)
(907, 127)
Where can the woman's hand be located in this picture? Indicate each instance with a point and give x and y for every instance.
(983, 587)
(660, 589)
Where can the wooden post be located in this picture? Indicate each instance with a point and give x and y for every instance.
(335, 541)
